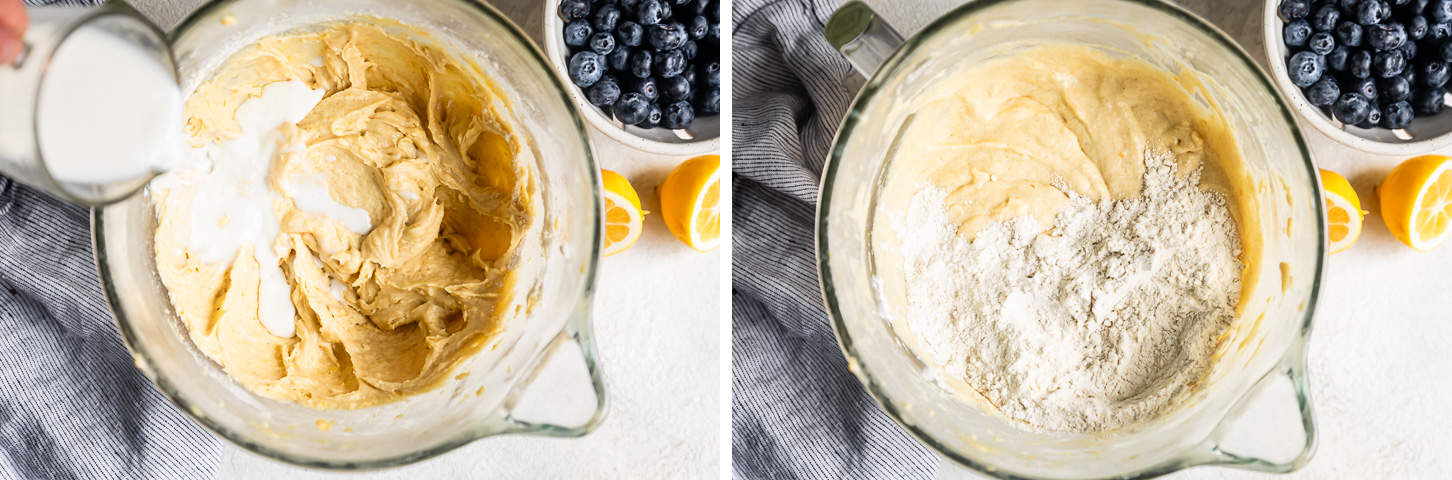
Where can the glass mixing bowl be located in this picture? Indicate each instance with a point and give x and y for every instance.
(1253, 410)
(488, 396)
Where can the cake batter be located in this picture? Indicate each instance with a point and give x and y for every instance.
(346, 231)
(1054, 142)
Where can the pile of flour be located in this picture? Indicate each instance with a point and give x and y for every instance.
(1098, 321)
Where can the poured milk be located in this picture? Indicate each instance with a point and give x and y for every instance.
(108, 111)
(234, 202)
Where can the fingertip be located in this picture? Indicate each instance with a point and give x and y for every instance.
(9, 47)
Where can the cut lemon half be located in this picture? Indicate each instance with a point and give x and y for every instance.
(1416, 201)
(690, 202)
(1343, 211)
(623, 218)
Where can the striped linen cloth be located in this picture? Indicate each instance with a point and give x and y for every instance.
(71, 403)
(796, 410)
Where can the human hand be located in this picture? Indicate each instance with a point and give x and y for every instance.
(12, 28)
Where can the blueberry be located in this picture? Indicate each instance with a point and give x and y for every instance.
(1440, 10)
(1386, 37)
(602, 42)
(1325, 18)
(603, 93)
(1396, 115)
(1348, 6)
(1372, 12)
(690, 49)
(1295, 9)
(666, 10)
(1373, 118)
(629, 5)
(1428, 101)
(1351, 108)
(711, 72)
(682, 2)
(1321, 42)
(1410, 75)
(652, 117)
(666, 37)
(716, 11)
(1417, 27)
(1359, 65)
(699, 6)
(649, 12)
(1305, 68)
(1347, 33)
(675, 88)
(605, 19)
(646, 87)
(1394, 89)
(677, 115)
(631, 108)
(709, 102)
(574, 9)
(619, 59)
(577, 33)
(1435, 73)
(1387, 64)
(690, 76)
(699, 28)
(586, 68)
(716, 31)
(1446, 51)
(1438, 31)
(1409, 50)
(1417, 6)
(630, 33)
(1336, 60)
(640, 61)
(669, 64)
(1296, 33)
(1366, 88)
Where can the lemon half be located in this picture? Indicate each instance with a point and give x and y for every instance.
(1416, 201)
(690, 202)
(623, 218)
(1343, 211)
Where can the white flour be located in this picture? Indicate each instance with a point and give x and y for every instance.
(1098, 322)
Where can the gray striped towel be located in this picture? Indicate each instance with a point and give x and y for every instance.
(796, 410)
(71, 403)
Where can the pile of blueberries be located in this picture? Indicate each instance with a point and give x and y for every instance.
(650, 63)
(1370, 63)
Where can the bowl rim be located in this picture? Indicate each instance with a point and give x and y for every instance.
(1275, 52)
(579, 314)
(554, 52)
(862, 370)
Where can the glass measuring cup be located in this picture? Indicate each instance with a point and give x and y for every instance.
(22, 83)
(539, 376)
(1253, 411)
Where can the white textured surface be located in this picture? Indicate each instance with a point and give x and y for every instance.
(657, 324)
(1379, 365)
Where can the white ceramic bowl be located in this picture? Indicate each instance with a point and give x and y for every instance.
(1425, 134)
(703, 136)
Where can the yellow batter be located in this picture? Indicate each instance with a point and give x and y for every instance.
(420, 141)
(1005, 136)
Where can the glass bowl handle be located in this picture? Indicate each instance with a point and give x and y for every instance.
(1257, 433)
(564, 393)
(863, 37)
